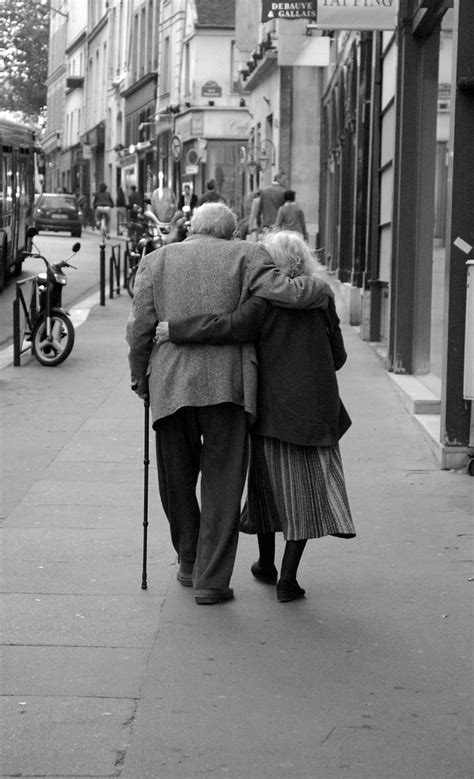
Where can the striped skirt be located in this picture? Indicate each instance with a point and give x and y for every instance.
(297, 490)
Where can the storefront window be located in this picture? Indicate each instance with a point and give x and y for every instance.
(223, 165)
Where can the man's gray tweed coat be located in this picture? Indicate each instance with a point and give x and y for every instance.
(202, 275)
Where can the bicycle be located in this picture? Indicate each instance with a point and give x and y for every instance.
(132, 260)
(102, 219)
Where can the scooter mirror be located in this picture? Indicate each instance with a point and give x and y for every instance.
(76, 247)
(31, 232)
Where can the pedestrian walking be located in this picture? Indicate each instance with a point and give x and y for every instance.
(202, 396)
(84, 206)
(102, 204)
(271, 198)
(211, 195)
(135, 198)
(254, 218)
(187, 198)
(296, 481)
(121, 205)
(243, 225)
(290, 215)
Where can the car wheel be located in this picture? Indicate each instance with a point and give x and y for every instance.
(76, 233)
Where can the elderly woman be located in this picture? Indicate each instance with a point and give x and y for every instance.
(296, 481)
(201, 397)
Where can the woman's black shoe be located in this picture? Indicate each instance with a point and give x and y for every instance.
(287, 591)
(267, 575)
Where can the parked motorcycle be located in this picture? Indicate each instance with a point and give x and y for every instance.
(147, 240)
(153, 235)
(51, 331)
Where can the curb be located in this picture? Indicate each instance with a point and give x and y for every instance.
(78, 315)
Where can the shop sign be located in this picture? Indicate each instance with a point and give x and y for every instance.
(128, 160)
(86, 152)
(211, 89)
(303, 50)
(190, 125)
(304, 10)
(357, 14)
(197, 123)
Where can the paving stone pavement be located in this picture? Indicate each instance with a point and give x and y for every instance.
(368, 677)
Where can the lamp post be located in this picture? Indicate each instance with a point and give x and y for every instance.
(259, 157)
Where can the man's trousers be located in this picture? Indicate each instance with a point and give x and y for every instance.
(211, 440)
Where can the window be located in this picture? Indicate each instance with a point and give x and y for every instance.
(142, 52)
(165, 67)
(135, 48)
(187, 76)
(236, 63)
(150, 37)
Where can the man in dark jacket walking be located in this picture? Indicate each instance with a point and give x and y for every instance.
(134, 198)
(271, 198)
(211, 195)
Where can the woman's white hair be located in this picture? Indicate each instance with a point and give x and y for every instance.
(290, 252)
(214, 219)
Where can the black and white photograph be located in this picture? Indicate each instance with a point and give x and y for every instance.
(237, 385)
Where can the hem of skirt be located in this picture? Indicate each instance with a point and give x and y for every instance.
(301, 538)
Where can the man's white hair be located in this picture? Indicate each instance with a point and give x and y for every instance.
(214, 219)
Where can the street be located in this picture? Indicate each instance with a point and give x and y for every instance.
(80, 283)
(351, 123)
(365, 678)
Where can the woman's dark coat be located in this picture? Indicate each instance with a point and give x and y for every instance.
(298, 354)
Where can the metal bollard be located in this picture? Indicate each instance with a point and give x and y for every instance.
(102, 274)
(16, 332)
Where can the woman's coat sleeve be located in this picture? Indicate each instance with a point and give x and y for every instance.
(239, 326)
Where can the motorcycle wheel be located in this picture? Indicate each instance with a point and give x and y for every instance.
(130, 284)
(53, 352)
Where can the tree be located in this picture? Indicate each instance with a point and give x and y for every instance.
(24, 38)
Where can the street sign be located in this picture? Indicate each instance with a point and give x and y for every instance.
(176, 147)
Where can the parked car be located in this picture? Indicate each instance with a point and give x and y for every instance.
(58, 212)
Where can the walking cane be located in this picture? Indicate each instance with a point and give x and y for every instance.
(146, 463)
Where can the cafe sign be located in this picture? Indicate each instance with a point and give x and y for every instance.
(303, 10)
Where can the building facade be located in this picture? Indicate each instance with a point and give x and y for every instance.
(388, 161)
(146, 93)
(52, 141)
(372, 126)
(202, 120)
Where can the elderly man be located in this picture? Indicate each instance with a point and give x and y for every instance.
(201, 396)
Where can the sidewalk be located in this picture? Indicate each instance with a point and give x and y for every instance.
(368, 677)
